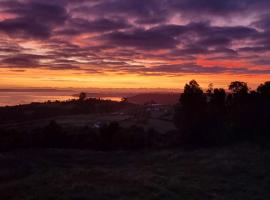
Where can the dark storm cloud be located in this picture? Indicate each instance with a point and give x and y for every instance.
(169, 36)
(255, 49)
(33, 61)
(263, 22)
(144, 12)
(191, 68)
(7, 47)
(204, 8)
(156, 11)
(33, 19)
(191, 51)
(141, 39)
(221, 32)
(23, 60)
(78, 26)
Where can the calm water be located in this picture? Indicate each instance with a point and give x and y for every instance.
(15, 98)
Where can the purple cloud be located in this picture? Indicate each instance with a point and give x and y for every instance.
(127, 35)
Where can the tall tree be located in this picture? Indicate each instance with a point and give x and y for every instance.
(189, 115)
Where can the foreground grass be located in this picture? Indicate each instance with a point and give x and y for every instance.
(239, 172)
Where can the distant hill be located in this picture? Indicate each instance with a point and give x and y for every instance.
(159, 98)
(34, 90)
(101, 95)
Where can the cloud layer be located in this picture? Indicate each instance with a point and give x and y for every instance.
(154, 37)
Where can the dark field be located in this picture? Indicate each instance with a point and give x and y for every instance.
(235, 172)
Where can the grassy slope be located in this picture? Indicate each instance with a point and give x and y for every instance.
(227, 173)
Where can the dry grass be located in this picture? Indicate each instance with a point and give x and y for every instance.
(239, 172)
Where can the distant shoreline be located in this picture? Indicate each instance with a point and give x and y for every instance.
(19, 97)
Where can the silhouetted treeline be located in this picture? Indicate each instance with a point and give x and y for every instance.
(108, 137)
(60, 108)
(215, 117)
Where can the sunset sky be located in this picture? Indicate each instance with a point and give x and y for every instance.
(133, 43)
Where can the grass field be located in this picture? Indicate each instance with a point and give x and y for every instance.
(238, 172)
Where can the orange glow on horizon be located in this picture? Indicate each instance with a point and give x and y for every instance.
(65, 79)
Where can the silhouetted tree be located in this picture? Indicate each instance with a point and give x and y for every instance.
(218, 99)
(239, 92)
(193, 97)
(238, 88)
(237, 97)
(215, 117)
(264, 89)
(237, 102)
(241, 115)
(190, 113)
(82, 96)
(263, 109)
(210, 89)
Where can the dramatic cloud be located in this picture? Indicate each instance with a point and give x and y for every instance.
(153, 37)
(31, 19)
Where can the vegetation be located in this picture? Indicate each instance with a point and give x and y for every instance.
(108, 137)
(215, 118)
(52, 109)
(203, 119)
(235, 172)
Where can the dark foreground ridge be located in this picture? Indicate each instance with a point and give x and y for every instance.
(235, 172)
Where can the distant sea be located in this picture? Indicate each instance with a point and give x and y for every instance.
(16, 98)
